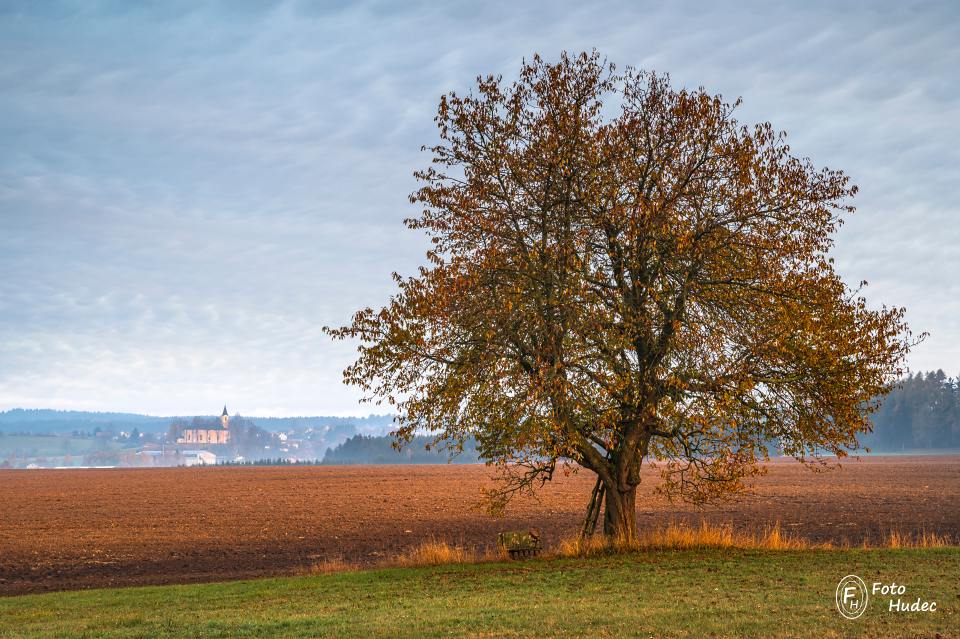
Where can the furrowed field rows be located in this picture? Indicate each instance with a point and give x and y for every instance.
(89, 528)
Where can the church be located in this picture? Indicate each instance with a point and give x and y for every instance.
(211, 434)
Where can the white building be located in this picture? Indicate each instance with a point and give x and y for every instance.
(198, 458)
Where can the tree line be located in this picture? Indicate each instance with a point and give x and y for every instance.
(921, 412)
(367, 449)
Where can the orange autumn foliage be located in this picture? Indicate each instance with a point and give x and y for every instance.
(622, 271)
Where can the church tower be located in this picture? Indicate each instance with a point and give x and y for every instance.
(225, 418)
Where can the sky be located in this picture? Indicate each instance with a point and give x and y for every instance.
(190, 191)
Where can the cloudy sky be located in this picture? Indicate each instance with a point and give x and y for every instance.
(189, 191)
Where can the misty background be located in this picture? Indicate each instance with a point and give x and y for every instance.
(920, 415)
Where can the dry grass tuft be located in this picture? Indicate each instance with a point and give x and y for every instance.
(329, 566)
(775, 539)
(676, 536)
(897, 539)
(437, 553)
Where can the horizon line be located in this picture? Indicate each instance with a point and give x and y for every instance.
(4, 411)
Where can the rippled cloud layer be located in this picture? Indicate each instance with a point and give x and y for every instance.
(188, 193)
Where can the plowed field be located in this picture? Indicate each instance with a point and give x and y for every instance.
(64, 529)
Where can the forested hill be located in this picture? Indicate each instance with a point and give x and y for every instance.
(48, 421)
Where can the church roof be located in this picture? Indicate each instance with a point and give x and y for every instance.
(204, 427)
(224, 413)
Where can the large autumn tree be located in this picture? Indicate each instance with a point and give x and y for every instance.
(621, 271)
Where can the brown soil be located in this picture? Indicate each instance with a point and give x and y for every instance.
(65, 529)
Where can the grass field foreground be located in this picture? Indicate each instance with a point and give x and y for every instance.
(689, 593)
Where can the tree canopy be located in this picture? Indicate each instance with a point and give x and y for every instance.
(622, 271)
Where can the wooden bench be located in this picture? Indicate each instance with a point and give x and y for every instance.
(520, 544)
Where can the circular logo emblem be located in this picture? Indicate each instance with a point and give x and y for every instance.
(852, 596)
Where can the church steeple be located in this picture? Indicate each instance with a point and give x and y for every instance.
(225, 418)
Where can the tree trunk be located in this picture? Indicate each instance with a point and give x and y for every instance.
(620, 516)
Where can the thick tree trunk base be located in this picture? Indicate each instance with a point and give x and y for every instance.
(620, 514)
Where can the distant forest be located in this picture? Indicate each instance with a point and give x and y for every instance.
(921, 412)
(366, 449)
